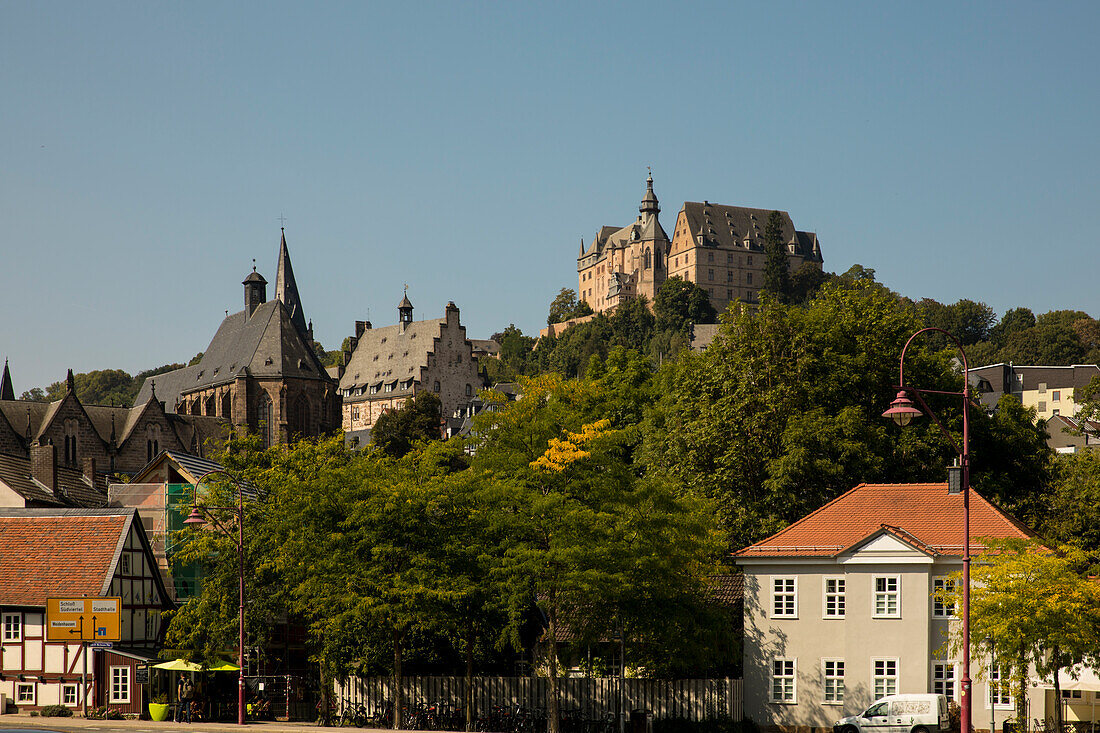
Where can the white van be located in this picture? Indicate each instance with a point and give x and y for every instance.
(899, 714)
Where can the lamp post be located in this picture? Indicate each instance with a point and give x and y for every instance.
(198, 517)
(902, 411)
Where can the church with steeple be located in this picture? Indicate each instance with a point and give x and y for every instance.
(260, 373)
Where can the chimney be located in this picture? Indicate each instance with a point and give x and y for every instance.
(88, 464)
(353, 342)
(44, 465)
(360, 326)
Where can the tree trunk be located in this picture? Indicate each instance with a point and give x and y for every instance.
(468, 693)
(326, 691)
(1057, 690)
(398, 696)
(555, 691)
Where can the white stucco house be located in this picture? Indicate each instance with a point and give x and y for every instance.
(839, 606)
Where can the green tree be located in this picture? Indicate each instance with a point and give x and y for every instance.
(34, 394)
(566, 306)
(1031, 606)
(807, 281)
(777, 266)
(397, 431)
(781, 413)
(632, 324)
(1073, 513)
(1013, 321)
(584, 535)
(679, 303)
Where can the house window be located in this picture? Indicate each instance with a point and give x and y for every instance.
(25, 693)
(120, 684)
(783, 681)
(748, 278)
(729, 276)
(1042, 387)
(1055, 412)
(887, 597)
(354, 413)
(469, 390)
(834, 598)
(784, 598)
(68, 695)
(729, 258)
(884, 677)
(1071, 695)
(943, 590)
(13, 627)
(435, 387)
(729, 294)
(750, 261)
(1056, 395)
(124, 563)
(999, 688)
(833, 672)
(710, 273)
(1042, 406)
(943, 680)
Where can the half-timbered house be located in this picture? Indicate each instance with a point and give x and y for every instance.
(94, 553)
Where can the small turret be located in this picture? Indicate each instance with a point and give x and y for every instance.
(255, 290)
(649, 203)
(405, 310)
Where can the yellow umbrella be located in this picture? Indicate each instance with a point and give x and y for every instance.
(225, 667)
(179, 665)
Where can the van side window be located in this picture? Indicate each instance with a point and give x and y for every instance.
(876, 710)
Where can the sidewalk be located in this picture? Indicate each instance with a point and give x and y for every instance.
(75, 723)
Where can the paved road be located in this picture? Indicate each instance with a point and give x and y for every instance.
(17, 723)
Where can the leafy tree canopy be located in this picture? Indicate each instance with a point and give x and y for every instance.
(565, 306)
(397, 431)
(777, 266)
(679, 303)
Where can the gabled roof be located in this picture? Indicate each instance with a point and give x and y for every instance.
(391, 353)
(59, 552)
(923, 515)
(15, 473)
(265, 344)
(190, 467)
(729, 226)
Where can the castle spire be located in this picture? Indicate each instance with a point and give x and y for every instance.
(649, 201)
(286, 289)
(7, 392)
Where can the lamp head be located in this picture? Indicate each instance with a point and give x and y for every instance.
(195, 517)
(902, 411)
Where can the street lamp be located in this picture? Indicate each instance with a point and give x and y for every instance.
(902, 411)
(198, 517)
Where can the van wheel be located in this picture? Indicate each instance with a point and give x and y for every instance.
(849, 729)
(920, 729)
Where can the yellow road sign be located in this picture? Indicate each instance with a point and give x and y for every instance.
(84, 619)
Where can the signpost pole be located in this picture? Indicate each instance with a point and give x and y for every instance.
(84, 677)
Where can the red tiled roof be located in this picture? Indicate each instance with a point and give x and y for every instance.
(925, 512)
(57, 555)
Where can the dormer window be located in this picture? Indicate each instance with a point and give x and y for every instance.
(199, 376)
(268, 361)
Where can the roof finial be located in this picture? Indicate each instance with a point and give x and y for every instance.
(70, 382)
(152, 389)
(282, 221)
(253, 264)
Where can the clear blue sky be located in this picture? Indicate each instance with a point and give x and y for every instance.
(147, 150)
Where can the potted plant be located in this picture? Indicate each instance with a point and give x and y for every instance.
(159, 707)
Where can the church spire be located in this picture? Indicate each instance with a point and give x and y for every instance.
(7, 392)
(286, 289)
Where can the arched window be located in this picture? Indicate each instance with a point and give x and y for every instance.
(71, 427)
(265, 420)
(300, 417)
(227, 406)
(152, 442)
(646, 260)
(210, 406)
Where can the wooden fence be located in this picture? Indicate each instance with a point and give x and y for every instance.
(591, 697)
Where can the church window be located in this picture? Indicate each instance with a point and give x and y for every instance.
(152, 442)
(676, 261)
(70, 441)
(265, 420)
(210, 406)
(300, 416)
(227, 406)
(646, 260)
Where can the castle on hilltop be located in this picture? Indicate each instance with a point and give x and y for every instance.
(719, 248)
